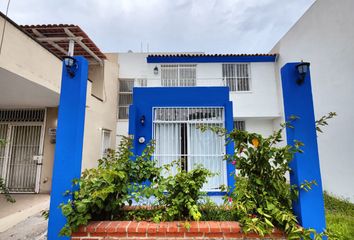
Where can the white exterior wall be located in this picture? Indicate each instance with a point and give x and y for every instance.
(257, 107)
(324, 36)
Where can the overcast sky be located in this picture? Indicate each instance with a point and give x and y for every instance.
(211, 26)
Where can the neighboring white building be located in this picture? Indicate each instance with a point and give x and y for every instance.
(30, 80)
(324, 36)
(256, 105)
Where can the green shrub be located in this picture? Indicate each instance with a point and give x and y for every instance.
(261, 199)
(102, 193)
(179, 194)
(105, 190)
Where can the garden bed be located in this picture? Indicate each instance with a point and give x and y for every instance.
(165, 230)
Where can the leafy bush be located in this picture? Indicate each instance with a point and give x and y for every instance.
(103, 193)
(261, 199)
(213, 212)
(179, 194)
(105, 190)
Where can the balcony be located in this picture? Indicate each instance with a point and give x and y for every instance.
(235, 84)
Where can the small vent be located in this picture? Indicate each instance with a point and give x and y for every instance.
(22, 115)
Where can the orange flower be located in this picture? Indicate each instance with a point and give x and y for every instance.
(255, 142)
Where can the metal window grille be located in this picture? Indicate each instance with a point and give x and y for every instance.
(22, 129)
(182, 75)
(3, 136)
(125, 97)
(22, 115)
(106, 141)
(17, 166)
(237, 76)
(240, 125)
(141, 82)
(178, 137)
(24, 144)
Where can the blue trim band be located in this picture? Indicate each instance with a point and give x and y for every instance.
(209, 59)
(216, 193)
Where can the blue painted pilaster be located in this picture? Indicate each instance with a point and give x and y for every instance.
(298, 101)
(68, 151)
(230, 148)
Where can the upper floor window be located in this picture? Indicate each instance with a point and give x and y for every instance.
(237, 76)
(182, 75)
(239, 125)
(125, 97)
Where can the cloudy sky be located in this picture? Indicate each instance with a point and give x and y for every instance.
(211, 26)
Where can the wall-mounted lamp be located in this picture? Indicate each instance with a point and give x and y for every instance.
(156, 70)
(70, 65)
(142, 120)
(302, 69)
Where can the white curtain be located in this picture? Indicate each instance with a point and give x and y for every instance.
(168, 146)
(206, 148)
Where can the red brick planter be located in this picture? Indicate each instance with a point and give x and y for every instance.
(165, 230)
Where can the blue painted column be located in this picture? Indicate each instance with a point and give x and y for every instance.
(230, 147)
(298, 101)
(68, 151)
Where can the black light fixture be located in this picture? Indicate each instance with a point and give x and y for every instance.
(70, 65)
(142, 120)
(302, 69)
(156, 70)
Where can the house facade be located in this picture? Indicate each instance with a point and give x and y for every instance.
(251, 78)
(30, 81)
(171, 94)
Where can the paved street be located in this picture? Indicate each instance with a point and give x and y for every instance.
(32, 228)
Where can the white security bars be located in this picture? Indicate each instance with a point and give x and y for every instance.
(178, 75)
(125, 97)
(21, 157)
(237, 76)
(178, 138)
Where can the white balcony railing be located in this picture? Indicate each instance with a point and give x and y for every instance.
(158, 82)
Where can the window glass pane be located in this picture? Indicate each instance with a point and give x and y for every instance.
(236, 76)
(177, 137)
(183, 75)
(123, 112)
(141, 82)
(240, 125)
(187, 75)
(125, 97)
(169, 75)
(126, 85)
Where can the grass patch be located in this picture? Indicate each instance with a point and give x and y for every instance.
(339, 217)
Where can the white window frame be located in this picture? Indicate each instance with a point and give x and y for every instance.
(238, 78)
(188, 123)
(104, 148)
(178, 82)
(126, 93)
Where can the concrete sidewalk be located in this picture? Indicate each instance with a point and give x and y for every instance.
(26, 205)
